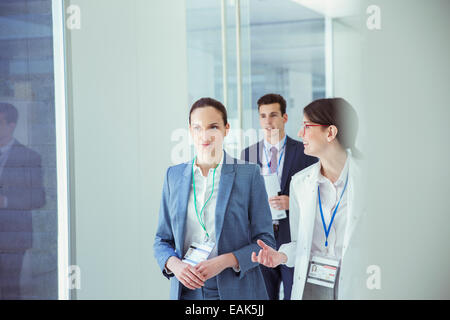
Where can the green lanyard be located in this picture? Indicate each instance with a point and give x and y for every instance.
(199, 217)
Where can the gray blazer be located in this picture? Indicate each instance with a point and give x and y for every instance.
(241, 219)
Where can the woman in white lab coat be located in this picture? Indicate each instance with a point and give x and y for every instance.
(323, 207)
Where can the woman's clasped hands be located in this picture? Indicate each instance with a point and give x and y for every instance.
(194, 277)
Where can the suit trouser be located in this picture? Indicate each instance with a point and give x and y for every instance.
(274, 276)
(209, 291)
(10, 272)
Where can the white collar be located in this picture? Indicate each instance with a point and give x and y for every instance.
(198, 169)
(342, 176)
(281, 144)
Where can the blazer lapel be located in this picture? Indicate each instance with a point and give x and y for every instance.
(260, 152)
(289, 156)
(184, 189)
(225, 187)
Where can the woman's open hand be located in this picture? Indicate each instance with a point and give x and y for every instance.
(268, 256)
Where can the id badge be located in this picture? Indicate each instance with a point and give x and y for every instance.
(323, 271)
(198, 252)
(273, 188)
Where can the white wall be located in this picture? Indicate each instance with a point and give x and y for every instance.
(347, 66)
(397, 78)
(127, 90)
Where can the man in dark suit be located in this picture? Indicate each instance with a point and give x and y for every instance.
(21, 190)
(277, 154)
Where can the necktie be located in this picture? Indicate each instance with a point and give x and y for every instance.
(273, 160)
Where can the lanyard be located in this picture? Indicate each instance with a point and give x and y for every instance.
(281, 154)
(327, 231)
(199, 217)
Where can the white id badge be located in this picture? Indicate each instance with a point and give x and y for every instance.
(323, 271)
(272, 188)
(198, 252)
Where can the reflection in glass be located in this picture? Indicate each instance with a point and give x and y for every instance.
(28, 211)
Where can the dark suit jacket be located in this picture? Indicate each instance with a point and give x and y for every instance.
(21, 183)
(295, 160)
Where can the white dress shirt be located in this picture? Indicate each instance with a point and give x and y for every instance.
(330, 194)
(203, 188)
(194, 231)
(267, 154)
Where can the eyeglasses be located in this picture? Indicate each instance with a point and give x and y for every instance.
(307, 125)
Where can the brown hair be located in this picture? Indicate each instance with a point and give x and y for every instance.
(273, 98)
(337, 112)
(209, 102)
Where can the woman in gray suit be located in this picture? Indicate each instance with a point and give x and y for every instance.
(211, 216)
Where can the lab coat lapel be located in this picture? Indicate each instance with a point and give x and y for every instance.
(309, 199)
(354, 208)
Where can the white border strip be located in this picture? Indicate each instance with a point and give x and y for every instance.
(61, 148)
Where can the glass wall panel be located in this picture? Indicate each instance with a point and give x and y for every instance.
(28, 197)
(212, 44)
(282, 50)
(287, 58)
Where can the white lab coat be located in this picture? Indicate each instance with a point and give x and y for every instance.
(302, 212)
